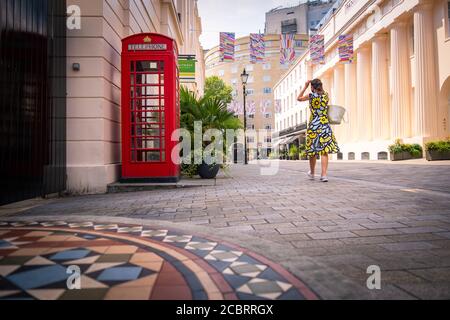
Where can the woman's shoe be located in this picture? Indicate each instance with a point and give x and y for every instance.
(324, 179)
(310, 176)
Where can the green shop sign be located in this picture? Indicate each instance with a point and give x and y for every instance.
(186, 66)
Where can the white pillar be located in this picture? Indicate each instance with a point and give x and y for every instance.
(380, 89)
(350, 101)
(364, 97)
(425, 115)
(338, 98)
(401, 82)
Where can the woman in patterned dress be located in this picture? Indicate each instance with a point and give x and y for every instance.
(320, 140)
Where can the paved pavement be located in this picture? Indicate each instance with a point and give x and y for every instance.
(395, 216)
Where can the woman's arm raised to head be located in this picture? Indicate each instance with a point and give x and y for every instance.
(301, 97)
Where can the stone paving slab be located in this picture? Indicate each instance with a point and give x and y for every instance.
(380, 211)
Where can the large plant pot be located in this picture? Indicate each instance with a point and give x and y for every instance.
(433, 155)
(419, 156)
(400, 156)
(208, 171)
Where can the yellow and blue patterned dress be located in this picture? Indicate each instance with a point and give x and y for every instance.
(320, 139)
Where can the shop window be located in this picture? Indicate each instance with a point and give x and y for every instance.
(365, 156)
(351, 156)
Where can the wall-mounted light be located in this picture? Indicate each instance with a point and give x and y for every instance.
(76, 67)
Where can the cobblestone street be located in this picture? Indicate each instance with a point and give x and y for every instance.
(396, 216)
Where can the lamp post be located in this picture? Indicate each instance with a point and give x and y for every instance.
(244, 78)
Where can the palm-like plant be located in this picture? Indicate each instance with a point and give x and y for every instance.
(211, 111)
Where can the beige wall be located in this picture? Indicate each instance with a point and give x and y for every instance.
(93, 93)
(262, 75)
(401, 48)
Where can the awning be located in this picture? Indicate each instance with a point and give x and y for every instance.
(291, 139)
(280, 141)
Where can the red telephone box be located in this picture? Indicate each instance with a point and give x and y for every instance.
(150, 107)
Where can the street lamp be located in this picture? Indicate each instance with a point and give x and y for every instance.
(244, 79)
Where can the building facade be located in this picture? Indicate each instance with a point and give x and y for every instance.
(262, 79)
(297, 19)
(398, 86)
(93, 92)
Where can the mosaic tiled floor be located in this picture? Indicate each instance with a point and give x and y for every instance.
(133, 262)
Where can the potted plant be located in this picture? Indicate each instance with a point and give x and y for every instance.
(213, 114)
(293, 152)
(402, 151)
(302, 152)
(438, 150)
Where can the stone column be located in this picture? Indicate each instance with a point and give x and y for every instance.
(380, 89)
(338, 98)
(425, 115)
(350, 101)
(364, 97)
(401, 82)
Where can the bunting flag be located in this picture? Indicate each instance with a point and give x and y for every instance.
(345, 45)
(257, 47)
(231, 106)
(317, 49)
(278, 106)
(239, 108)
(227, 40)
(265, 105)
(287, 49)
(251, 107)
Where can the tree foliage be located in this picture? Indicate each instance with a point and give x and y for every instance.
(216, 87)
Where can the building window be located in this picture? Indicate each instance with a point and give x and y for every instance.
(234, 69)
(250, 139)
(268, 127)
(251, 116)
(267, 115)
(267, 66)
(267, 78)
(267, 90)
(250, 127)
(221, 73)
(249, 67)
(268, 139)
(250, 92)
(289, 26)
(237, 48)
(234, 81)
(301, 116)
(251, 80)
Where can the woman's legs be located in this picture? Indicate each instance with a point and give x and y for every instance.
(324, 161)
(312, 164)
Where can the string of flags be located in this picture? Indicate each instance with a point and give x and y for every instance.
(257, 47)
(227, 40)
(237, 107)
(317, 49)
(288, 44)
(287, 49)
(345, 48)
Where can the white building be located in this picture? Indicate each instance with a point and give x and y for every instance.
(398, 87)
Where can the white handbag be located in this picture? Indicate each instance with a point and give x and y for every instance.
(335, 114)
